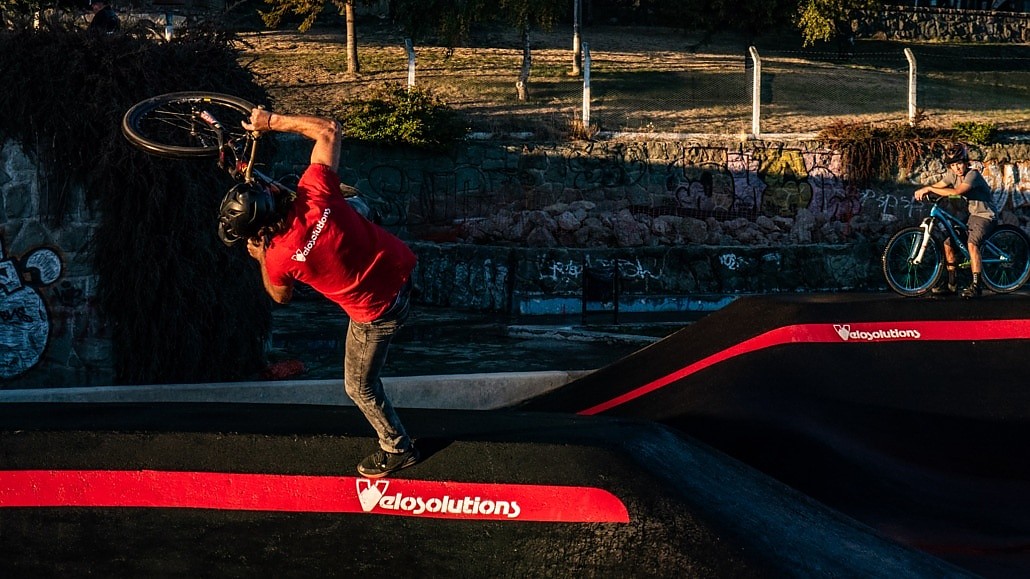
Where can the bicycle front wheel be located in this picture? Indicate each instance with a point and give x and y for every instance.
(185, 125)
(903, 274)
(1006, 259)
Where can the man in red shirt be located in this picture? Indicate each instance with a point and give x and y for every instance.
(317, 238)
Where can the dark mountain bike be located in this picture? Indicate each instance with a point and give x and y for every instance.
(192, 125)
(913, 259)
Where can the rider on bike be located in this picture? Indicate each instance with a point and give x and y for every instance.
(962, 180)
(318, 238)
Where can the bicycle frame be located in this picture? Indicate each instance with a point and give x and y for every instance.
(952, 226)
(238, 158)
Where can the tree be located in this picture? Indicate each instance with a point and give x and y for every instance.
(752, 17)
(452, 22)
(577, 41)
(825, 20)
(310, 10)
(525, 14)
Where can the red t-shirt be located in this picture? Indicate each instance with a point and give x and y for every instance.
(336, 251)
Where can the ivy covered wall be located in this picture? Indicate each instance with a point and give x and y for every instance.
(111, 270)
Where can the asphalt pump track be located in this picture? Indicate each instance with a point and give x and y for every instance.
(781, 436)
(910, 415)
(238, 490)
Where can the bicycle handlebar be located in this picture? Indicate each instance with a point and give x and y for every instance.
(932, 197)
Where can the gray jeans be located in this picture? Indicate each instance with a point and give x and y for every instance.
(363, 360)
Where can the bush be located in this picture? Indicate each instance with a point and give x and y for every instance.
(398, 115)
(975, 133)
(872, 153)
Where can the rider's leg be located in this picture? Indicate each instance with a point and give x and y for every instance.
(975, 263)
(979, 229)
(947, 285)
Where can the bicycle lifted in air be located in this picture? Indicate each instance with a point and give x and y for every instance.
(913, 260)
(194, 125)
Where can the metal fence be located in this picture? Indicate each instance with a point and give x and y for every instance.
(658, 80)
(716, 93)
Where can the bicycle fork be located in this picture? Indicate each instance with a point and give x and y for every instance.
(917, 254)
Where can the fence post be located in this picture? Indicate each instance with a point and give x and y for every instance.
(756, 92)
(586, 86)
(169, 26)
(410, 49)
(911, 86)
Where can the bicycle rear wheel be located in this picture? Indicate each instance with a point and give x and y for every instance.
(1006, 259)
(185, 125)
(902, 274)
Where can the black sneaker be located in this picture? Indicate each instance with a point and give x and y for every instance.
(973, 291)
(944, 289)
(381, 463)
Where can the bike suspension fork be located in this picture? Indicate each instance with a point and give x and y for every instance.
(927, 227)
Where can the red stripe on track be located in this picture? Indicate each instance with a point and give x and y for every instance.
(857, 333)
(301, 493)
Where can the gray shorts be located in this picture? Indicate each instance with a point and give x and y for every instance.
(979, 229)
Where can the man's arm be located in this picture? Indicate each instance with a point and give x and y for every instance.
(943, 189)
(280, 294)
(324, 132)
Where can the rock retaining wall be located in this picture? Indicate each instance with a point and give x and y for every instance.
(923, 24)
(48, 318)
(524, 228)
(567, 280)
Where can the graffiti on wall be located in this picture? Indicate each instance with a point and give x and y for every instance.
(621, 166)
(24, 321)
(1009, 181)
(74, 315)
(706, 180)
(701, 181)
(565, 271)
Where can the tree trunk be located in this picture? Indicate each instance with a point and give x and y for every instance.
(522, 85)
(353, 67)
(577, 44)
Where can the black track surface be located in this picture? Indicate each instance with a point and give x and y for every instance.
(927, 441)
(693, 512)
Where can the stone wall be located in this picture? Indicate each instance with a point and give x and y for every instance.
(525, 228)
(51, 333)
(520, 227)
(923, 24)
(674, 278)
(627, 194)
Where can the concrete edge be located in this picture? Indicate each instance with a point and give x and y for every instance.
(451, 391)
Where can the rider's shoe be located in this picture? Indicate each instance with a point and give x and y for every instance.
(947, 286)
(974, 290)
(381, 463)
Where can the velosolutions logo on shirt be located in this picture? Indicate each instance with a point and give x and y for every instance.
(302, 254)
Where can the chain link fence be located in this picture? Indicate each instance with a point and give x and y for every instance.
(661, 80)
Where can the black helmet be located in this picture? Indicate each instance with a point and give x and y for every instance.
(956, 154)
(246, 208)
